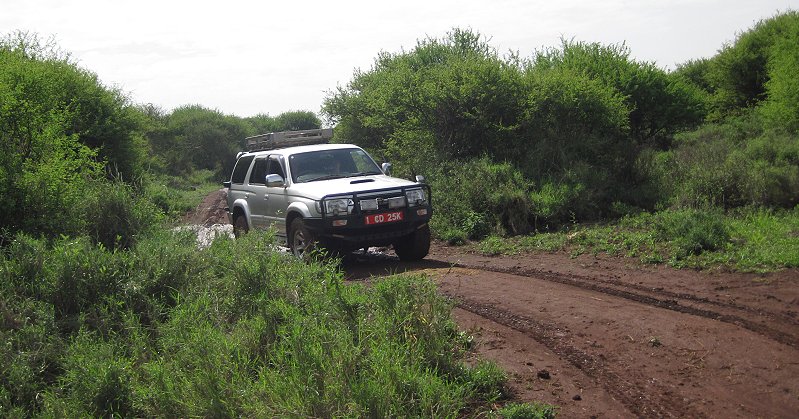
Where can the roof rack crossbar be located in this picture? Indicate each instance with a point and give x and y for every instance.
(283, 139)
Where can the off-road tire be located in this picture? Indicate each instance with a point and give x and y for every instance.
(414, 246)
(301, 241)
(240, 225)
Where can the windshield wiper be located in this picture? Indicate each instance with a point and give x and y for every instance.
(362, 174)
(328, 177)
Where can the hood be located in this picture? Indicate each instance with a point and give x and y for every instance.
(316, 190)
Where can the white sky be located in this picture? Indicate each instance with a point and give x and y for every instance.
(247, 57)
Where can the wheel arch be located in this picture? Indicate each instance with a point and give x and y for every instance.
(240, 207)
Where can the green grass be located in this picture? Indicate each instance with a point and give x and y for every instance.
(177, 195)
(751, 240)
(164, 329)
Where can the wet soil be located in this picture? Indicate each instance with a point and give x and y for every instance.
(608, 337)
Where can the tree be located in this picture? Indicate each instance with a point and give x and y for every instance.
(741, 71)
(659, 104)
(297, 121)
(201, 138)
(44, 161)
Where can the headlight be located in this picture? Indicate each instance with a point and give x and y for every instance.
(416, 197)
(338, 206)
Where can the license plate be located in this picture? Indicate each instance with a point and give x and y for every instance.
(386, 217)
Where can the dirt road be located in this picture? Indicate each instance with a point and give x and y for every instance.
(601, 337)
(606, 337)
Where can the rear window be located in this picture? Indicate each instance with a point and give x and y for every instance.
(240, 171)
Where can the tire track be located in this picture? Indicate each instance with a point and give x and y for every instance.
(660, 403)
(661, 299)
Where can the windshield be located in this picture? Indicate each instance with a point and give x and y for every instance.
(331, 164)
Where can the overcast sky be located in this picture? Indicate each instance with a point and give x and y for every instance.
(251, 57)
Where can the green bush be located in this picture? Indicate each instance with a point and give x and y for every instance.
(527, 411)
(97, 381)
(237, 329)
(478, 197)
(692, 232)
(732, 164)
(756, 70)
(116, 215)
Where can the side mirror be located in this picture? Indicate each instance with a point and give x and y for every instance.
(386, 168)
(226, 184)
(420, 179)
(274, 180)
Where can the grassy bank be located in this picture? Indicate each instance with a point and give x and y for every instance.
(749, 240)
(165, 329)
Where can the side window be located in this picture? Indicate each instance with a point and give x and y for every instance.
(240, 171)
(258, 175)
(274, 167)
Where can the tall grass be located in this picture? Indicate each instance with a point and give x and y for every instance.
(238, 329)
(749, 240)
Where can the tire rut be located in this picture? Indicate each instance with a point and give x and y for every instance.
(661, 403)
(662, 299)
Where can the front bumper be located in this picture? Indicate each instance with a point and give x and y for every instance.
(356, 233)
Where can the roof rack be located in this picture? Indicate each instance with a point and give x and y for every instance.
(283, 139)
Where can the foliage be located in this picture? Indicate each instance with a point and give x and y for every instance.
(286, 121)
(781, 107)
(196, 138)
(742, 70)
(165, 329)
(527, 411)
(658, 104)
(58, 128)
(748, 239)
(193, 137)
(116, 215)
(43, 84)
(177, 195)
(691, 232)
(731, 164)
(571, 122)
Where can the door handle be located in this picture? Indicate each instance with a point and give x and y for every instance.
(266, 197)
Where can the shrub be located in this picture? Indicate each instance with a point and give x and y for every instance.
(115, 215)
(692, 232)
(527, 411)
(731, 164)
(97, 381)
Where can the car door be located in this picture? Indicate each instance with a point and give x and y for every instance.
(257, 201)
(276, 201)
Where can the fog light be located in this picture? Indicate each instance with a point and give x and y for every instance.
(339, 223)
(368, 204)
(397, 202)
(421, 211)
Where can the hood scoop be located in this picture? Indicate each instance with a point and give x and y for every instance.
(361, 181)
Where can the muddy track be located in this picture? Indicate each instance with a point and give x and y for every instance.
(663, 299)
(659, 403)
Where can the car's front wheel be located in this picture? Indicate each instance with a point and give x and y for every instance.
(414, 246)
(302, 241)
(240, 225)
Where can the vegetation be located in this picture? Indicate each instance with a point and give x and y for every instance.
(583, 133)
(105, 312)
(233, 330)
(559, 133)
(748, 240)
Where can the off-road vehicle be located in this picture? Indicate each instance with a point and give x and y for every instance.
(334, 196)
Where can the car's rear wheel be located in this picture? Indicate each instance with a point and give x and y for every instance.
(240, 225)
(302, 241)
(414, 246)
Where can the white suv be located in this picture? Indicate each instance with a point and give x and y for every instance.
(333, 195)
